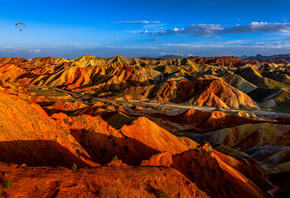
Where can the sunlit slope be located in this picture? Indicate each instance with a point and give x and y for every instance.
(205, 164)
(28, 133)
(216, 82)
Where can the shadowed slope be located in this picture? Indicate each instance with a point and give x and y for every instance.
(133, 143)
(32, 152)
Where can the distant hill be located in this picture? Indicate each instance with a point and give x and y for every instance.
(270, 58)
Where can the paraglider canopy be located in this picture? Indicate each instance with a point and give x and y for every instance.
(20, 24)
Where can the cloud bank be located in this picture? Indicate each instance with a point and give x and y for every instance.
(212, 30)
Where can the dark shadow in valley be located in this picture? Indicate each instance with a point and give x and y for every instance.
(261, 94)
(282, 181)
(102, 148)
(38, 153)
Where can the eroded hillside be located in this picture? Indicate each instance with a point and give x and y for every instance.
(131, 127)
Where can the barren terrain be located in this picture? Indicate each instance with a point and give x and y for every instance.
(129, 127)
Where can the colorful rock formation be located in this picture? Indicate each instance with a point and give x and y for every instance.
(133, 127)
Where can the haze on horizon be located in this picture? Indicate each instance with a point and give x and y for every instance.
(70, 29)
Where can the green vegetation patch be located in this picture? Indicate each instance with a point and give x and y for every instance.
(245, 108)
(47, 92)
(282, 108)
(115, 158)
(6, 184)
(161, 193)
(74, 166)
(272, 84)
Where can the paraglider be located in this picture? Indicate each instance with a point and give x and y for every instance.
(20, 24)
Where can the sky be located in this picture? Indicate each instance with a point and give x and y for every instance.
(143, 28)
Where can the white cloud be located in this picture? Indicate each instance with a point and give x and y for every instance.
(211, 30)
(187, 45)
(147, 31)
(204, 30)
(176, 54)
(159, 26)
(257, 23)
(268, 45)
(10, 48)
(137, 22)
(129, 47)
(36, 51)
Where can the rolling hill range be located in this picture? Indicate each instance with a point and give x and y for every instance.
(189, 81)
(129, 127)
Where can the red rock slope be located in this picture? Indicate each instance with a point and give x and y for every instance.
(28, 134)
(212, 91)
(123, 182)
(210, 173)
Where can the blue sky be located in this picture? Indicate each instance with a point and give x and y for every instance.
(139, 28)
